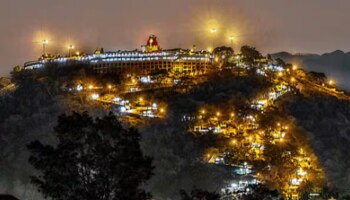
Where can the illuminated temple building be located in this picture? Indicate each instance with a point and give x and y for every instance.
(150, 59)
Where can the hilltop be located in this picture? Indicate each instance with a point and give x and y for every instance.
(335, 64)
(250, 117)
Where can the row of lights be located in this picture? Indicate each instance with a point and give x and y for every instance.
(70, 47)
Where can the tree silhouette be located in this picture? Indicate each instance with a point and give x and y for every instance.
(250, 54)
(261, 192)
(198, 194)
(95, 159)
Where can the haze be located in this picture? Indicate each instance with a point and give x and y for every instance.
(313, 26)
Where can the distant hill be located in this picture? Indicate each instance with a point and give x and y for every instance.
(335, 64)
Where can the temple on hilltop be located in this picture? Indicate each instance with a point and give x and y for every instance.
(150, 59)
(151, 45)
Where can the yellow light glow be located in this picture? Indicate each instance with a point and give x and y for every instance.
(218, 114)
(234, 141)
(231, 38)
(90, 87)
(77, 53)
(109, 87)
(45, 41)
(213, 30)
(280, 74)
(295, 67)
(95, 96)
(162, 110)
(330, 82)
(141, 99)
(292, 79)
(203, 111)
(71, 47)
(232, 114)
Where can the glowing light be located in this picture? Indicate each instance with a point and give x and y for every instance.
(231, 38)
(213, 30)
(161, 110)
(330, 82)
(203, 111)
(294, 67)
(45, 41)
(292, 79)
(301, 172)
(71, 46)
(218, 114)
(280, 74)
(109, 87)
(232, 114)
(234, 141)
(79, 88)
(95, 96)
(91, 87)
(140, 99)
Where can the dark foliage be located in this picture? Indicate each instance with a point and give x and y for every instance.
(7, 197)
(198, 194)
(94, 159)
(261, 192)
(250, 54)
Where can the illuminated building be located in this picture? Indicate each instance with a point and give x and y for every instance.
(149, 60)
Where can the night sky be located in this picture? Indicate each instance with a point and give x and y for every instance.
(313, 26)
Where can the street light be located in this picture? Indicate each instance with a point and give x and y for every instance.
(44, 42)
(213, 31)
(231, 38)
(70, 47)
(109, 88)
(233, 141)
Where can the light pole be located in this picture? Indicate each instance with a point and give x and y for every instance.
(109, 89)
(70, 47)
(213, 31)
(231, 38)
(44, 42)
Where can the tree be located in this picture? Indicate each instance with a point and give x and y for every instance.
(261, 192)
(198, 194)
(95, 159)
(250, 54)
(280, 62)
(224, 54)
